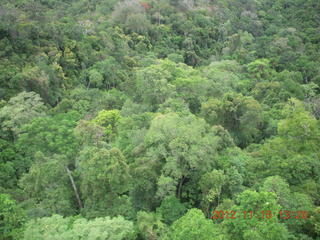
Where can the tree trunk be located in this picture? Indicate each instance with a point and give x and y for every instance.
(74, 187)
(180, 187)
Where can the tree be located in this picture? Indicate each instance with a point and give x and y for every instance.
(72, 228)
(144, 190)
(11, 165)
(11, 218)
(182, 146)
(89, 102)
(131, 132)
(95, 78)
(153, 85)
(48, 80)
(211, 184)
(172, 80)
(171, 209)
(104, 182)
(293, 153)
(103, 228)
(53, 227)
(48, 188)
(106, 74)
(240, 115)
(138, 23)
(20, 110)
(235, 180)
(289, 200)
(132, 15)
(192, 89)
(50, 135)
(299, 126)
(263, 224)
(272, 93)
(187, 4)
(278, 186)
(194, 225)
(89, 133)
(315, 221)
(108, 120)
(222, 77)
(150, 225)
(260, 69)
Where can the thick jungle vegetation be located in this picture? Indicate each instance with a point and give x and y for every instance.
(141, 120)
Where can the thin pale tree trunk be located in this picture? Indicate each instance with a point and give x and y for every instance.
(74, 187)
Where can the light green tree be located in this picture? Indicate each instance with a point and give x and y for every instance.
(182, 146)
(20, 110)
(153, 85)
(260, 69)
(194, 225)
(108, 119)
(262, 224)
(73, 228)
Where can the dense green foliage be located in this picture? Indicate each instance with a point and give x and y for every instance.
(128, 119)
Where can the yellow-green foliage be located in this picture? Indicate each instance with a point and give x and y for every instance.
(108, 119)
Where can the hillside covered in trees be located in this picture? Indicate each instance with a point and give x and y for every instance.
(159, 119)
